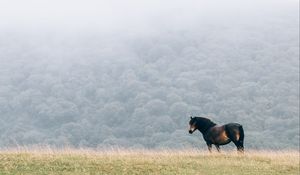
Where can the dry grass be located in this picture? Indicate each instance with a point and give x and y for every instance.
(120, 161)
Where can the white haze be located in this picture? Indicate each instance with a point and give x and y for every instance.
(134, 15)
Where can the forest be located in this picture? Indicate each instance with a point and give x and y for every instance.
(133, 87)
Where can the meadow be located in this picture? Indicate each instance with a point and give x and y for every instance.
(119, 161)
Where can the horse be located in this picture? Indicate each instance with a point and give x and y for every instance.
(217, 135)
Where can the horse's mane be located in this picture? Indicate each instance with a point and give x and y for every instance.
(203, 124)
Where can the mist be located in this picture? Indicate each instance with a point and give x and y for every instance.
(130, 74)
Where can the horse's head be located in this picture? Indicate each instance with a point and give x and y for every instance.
(193, 125)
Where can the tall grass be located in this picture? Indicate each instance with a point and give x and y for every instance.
(45, 160)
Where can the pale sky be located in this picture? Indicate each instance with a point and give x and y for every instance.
(113, 14)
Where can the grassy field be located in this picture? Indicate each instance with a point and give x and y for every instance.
(81, 162)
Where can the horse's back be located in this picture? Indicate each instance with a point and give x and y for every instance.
(232, 125)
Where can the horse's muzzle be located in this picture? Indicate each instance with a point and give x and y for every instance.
(190, 131)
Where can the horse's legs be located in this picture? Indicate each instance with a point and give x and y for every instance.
(209, 147)
(239, 145)
(218, 148)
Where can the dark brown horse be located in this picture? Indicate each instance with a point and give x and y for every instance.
(218, 135)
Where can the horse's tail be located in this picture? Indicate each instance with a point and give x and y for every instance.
(241, 139)
(241, 133)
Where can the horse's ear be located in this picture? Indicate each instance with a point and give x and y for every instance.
(191, 117)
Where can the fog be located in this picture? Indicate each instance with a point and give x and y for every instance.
(130, 74)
